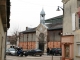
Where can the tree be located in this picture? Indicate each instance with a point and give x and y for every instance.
(15, 36)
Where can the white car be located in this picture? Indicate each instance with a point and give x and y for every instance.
(11, 51)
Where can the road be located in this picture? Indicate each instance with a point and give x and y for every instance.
(44, 57)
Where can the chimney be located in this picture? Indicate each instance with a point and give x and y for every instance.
(26, 28)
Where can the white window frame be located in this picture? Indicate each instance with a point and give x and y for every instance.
(73, 21)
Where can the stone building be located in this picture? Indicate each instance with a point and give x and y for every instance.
(4, 25)
(46, 35)
(71, 30)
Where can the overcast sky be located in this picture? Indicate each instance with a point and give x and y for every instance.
(26, 13)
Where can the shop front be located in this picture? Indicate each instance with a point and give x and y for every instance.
(67, 47)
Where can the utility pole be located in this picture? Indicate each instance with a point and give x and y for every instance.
(53, 43)
(32, 41)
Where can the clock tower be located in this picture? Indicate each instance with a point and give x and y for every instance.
(42, 17)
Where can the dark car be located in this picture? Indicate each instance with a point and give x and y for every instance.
(20, 52)
(34, 52)
(56, 51)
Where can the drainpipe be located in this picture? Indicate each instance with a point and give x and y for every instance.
(5, 45)
(27, 41)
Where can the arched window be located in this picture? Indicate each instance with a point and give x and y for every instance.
(41, 37)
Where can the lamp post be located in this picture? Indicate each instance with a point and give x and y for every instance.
(53, 43)
(58, 9)
(31, 42)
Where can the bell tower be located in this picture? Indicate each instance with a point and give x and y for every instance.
(42, 17)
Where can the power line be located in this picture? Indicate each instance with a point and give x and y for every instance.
(37, 4)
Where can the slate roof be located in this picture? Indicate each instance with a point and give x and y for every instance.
(55, 27)
(51, 26)
(54, 20)
(29, 30)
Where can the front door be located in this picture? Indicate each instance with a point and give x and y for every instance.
(67, 49)
(41, 46)
(41, 41)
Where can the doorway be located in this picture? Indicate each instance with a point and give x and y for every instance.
(41, 41)
(67, 49)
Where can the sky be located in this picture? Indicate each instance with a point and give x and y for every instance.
(26, 13)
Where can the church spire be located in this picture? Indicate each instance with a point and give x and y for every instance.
(42, 16)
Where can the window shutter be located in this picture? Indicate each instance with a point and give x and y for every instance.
(73, 21)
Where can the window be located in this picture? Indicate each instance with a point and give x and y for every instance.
(79, 23)
(73, 21)
(79, 50)
(25, 37)
(57, 36)
(78, 3)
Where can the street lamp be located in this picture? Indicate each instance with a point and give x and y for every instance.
(58, 9)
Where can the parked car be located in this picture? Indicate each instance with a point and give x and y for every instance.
(7, 51)
(34, 52)
(11, 51)
(20, 52)
(56, 51)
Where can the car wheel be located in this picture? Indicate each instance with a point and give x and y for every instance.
(40, 55)
(54, 54)
(34, 54)
(60, 54)
(26, 55)
(21, 55)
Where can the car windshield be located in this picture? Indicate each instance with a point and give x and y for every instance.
(11, 49)
(59, 49)
(53, 48)
(37, 49)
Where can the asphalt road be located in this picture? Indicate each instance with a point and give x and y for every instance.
(44, 57)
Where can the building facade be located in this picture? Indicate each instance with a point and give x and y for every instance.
(11, 41)
(46, 35)
(71, 30)
(4, 20)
